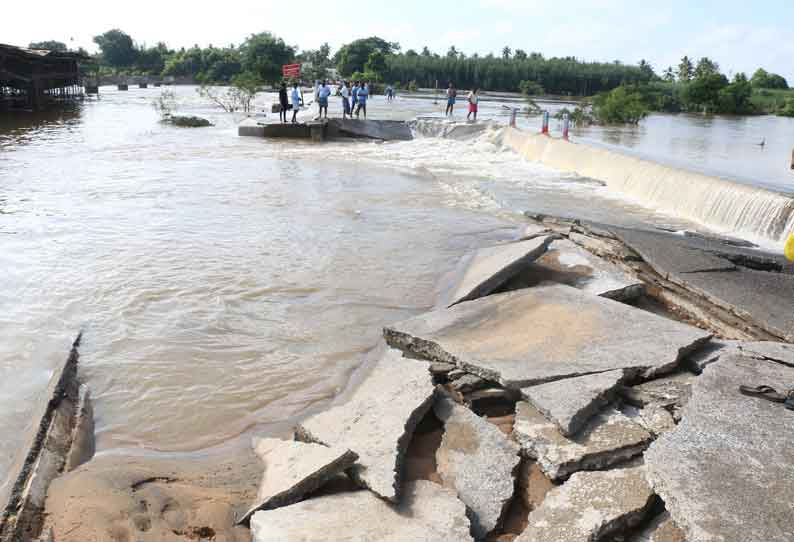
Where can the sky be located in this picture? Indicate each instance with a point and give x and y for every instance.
(740, 36)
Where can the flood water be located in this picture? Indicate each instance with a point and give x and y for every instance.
(228, 284)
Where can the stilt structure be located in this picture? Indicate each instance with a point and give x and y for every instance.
(34, 78)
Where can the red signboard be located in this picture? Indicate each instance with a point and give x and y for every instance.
(291, 70)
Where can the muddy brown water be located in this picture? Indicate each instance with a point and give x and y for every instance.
(230, 284)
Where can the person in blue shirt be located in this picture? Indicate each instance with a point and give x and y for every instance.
(363, 95)
(296, 101)
(322, 98)
(354, 96)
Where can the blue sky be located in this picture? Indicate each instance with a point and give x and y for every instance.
(741, 36)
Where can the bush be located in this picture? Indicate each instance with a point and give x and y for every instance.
(619, 106)
(787, 110)
(530, 88)
(189, 122)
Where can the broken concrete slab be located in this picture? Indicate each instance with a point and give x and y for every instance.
(479, 462)
(427, 513)
(60, 438)
(729, 448)
(609, 438)
(386, 130)
(294, 469)
(653, 418)
(711, 352)
(485, 270)
(759, 304)
(591, 506)
(571, 402)
(661, 529)
(377, 421)
(712, 273)
(670, 255)
(669, 390)
(771, 351)
(468, 383)
(567, 263)
(547, 333)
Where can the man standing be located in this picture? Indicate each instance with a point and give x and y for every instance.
(344, 92)
(474, 101)
(452, 95)
(354, 97)
(283, 102)
(296, 101)
(363, 94)
(322, 98)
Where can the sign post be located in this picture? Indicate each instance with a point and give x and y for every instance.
(292, 71)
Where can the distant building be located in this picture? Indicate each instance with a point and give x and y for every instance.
(33, 78)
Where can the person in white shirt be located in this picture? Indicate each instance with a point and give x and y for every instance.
(296, 102)
(474, 100)
(322, 98)
(344, 92)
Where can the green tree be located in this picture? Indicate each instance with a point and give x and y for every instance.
(318, 61)
(735, 98)
(703, 93)
(117, 47)
(453, 52)
(669, 75)
(619, 106)
(706, 67)
(788, 108)
(763, 79)
(647, 69)
(376, 64)
(50, 45)
(352, 56)
(264, 54)
(506, 52)
(520, 54)
(152, 59)
(426, 51)
(530, 88)
(685, 70)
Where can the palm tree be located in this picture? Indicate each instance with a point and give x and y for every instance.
(506, 52)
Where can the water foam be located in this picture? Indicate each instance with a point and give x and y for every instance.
(722, 205)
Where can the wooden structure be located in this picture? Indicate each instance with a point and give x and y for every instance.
(32, 78)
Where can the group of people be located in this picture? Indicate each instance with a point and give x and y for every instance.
(284, 102)
(354, 99)
(473, 99)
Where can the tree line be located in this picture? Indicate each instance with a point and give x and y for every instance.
(691, 86)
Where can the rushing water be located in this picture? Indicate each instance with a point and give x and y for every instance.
(229, 283)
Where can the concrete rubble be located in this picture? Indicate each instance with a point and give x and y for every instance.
(590, 506)
(532, 406)
(608, 439)
(571, 402)
(566, 262)
(730, 448)
(478, 462)
(377, 421)
(294, 469)
(488, 268)
(427, 513)
(546, 333)
(59, 440)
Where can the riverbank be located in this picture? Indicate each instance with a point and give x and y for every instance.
(516, 435)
